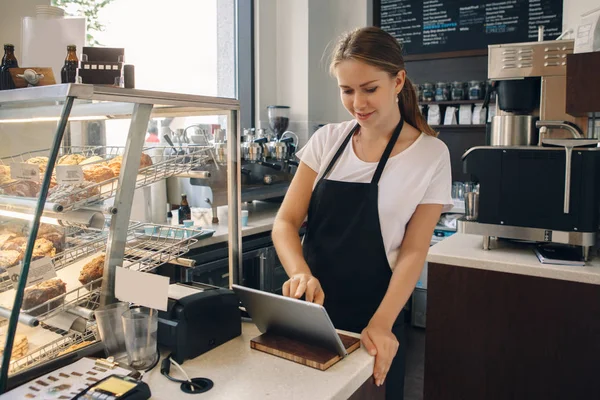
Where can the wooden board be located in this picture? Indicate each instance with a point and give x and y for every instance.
(302, 353)
(48, 78)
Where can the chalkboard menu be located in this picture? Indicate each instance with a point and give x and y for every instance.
(443, 26)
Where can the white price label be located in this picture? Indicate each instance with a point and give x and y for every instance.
(69, 174)
(29, 172)
(39, 271)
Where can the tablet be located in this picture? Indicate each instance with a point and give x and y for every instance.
(297, 319)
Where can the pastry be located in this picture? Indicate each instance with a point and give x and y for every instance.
(71, 159)
(41, 293)
(92, 270)
(5, 237)
(42, 162)
(56, 238)
(92, 160)
(67, 194)
(20, 346)
(115, 163)
(4, 170)
(42, 248)
(17, 243)
(9, 258)
(74, 347)
(145, 161)
(21, 188)
(97, 173)
(5, 179)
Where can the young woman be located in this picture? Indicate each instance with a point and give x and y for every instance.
(374, 188)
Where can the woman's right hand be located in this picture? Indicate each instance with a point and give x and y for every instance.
(300, 284)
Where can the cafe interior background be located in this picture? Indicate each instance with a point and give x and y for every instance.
(264, 53)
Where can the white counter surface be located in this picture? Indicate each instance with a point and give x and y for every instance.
(260, 219)
(467, 251)
(239, 372)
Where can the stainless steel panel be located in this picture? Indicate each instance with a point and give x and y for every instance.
(522, 233)
(514, 130)
(509, 61)
(123, 200)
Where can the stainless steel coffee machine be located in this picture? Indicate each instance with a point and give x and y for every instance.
(539, 178)
(267, 167)
(530, 82)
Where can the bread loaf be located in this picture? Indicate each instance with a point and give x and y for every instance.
(92, 270)
(41, 293)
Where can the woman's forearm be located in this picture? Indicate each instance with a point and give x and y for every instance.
(289, 248)
(404, 279)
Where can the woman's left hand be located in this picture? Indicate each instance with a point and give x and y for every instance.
(381, 343)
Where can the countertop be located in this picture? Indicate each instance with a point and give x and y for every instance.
(260, 219)
(467, 251)
(239, 372)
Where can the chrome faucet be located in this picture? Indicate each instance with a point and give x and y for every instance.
(543, 126)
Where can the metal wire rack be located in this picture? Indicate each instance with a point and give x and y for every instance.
(150, 246)
(164, 164)
(86, 296)
(53, 349)
(79, 243)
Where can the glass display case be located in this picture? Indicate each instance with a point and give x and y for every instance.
(66, 207)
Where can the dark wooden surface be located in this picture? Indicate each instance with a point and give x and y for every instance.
(583, 84)
(300, 352)
(493, 335)
(369, 391)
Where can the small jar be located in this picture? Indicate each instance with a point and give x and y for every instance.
(428, 92)
(475, 90)
(458, 90)
(441, 91)
(418, 91)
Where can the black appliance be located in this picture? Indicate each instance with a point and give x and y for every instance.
(525, 187)
(195, 324)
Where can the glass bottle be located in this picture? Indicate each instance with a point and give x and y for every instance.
(8, 61)
(185, 211)
(68, 73)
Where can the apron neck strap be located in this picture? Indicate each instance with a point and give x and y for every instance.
(388, 150)
(339, 151)
(384, 157)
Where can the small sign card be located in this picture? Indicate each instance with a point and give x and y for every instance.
(39, 271)
(69, 174)
(28, 172)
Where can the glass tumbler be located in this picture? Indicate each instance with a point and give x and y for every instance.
(110, 328)
(141, 327)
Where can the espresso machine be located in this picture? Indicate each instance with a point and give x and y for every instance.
(267, 164)
(539, 175)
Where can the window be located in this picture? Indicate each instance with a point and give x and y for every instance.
(183, 46)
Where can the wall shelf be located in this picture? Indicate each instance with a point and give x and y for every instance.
(459, 127)
(451, 102)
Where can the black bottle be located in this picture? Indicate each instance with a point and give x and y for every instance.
(185, 211)
(68, 73)
(8, 61)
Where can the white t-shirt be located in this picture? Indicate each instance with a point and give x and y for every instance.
(418, 175)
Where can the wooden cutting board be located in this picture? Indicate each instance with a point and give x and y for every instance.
(302, 353)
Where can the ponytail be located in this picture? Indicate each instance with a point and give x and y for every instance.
(409, 109)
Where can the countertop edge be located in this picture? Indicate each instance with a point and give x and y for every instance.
(520, 261)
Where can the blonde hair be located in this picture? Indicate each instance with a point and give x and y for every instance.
(378, 48)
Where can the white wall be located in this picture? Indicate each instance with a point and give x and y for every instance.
(572, 10)
(292, 39)
(11, 12)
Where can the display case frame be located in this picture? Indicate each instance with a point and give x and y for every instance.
(70, 102)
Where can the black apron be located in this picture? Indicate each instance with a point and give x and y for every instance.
(344, 249)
